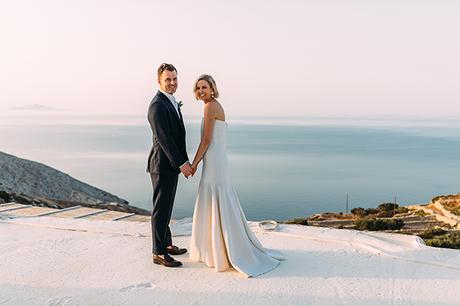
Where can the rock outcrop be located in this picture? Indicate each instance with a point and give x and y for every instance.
(31, 178)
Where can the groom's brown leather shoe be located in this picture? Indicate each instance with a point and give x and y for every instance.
(174, 250)
(166, 261)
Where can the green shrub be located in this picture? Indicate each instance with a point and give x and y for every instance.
(387, 206)
(384, 210)
(371, 211)
(301, 221)
(456, 211)
(5, 196)
(358, 211)
(386, 214)
(402, 210)
(432, 232)
(421, 213)
(449, 240)
(374, 224)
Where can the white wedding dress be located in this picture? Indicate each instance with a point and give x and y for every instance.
(221, 237)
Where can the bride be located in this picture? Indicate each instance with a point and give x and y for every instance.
(221, 237)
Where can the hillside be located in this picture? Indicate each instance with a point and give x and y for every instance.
(22, 176)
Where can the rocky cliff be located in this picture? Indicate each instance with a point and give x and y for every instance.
(35, 179)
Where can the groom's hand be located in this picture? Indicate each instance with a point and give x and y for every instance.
(186, 169)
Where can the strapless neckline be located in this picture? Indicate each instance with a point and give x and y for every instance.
(217, 120)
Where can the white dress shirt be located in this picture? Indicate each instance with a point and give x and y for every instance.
(173, 101)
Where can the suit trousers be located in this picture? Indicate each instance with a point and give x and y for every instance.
(164, 192)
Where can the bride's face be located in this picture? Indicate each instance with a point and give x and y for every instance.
(203, 91)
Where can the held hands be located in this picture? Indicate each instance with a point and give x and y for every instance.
(194, 167)
(187, 170)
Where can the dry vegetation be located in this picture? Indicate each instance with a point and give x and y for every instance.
(421, 220)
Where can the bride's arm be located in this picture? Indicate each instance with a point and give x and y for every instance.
(210, 110)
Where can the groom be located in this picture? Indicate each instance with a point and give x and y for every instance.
(167, 158)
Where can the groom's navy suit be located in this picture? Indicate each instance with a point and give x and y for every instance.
(168, 153)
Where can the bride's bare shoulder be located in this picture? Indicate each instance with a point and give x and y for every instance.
(212, 107)
(214, 110)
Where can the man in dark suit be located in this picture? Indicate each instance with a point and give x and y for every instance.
(167, 158)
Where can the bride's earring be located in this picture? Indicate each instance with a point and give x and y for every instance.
(212, 94)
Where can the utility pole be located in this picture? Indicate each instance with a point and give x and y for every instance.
(346, 207)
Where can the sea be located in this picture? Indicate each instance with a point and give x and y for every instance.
(281, 167)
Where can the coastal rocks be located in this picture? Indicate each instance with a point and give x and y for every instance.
(436, 223)
(27, 177)
(386, 217)
(450, 203)
(28, 182)
(60, 204)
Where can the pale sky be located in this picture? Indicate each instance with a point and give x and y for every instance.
(290, 58)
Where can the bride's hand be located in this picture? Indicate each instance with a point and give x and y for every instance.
(194, 169)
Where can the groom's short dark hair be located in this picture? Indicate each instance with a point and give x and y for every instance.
(164, 67)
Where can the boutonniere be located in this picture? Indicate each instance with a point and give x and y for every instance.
(180, 103)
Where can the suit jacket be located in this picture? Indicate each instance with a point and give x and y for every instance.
(168, 151)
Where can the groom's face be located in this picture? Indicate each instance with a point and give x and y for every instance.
(168, 81)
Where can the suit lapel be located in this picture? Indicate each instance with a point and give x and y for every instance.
(172, 109)
(181, 118)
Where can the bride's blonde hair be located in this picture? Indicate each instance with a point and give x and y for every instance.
(211, 82)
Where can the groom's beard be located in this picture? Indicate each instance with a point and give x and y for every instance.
(171, 89)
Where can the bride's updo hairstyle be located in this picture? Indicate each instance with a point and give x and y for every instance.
(211, 82)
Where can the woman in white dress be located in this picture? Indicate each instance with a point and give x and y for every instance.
(221, 237)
